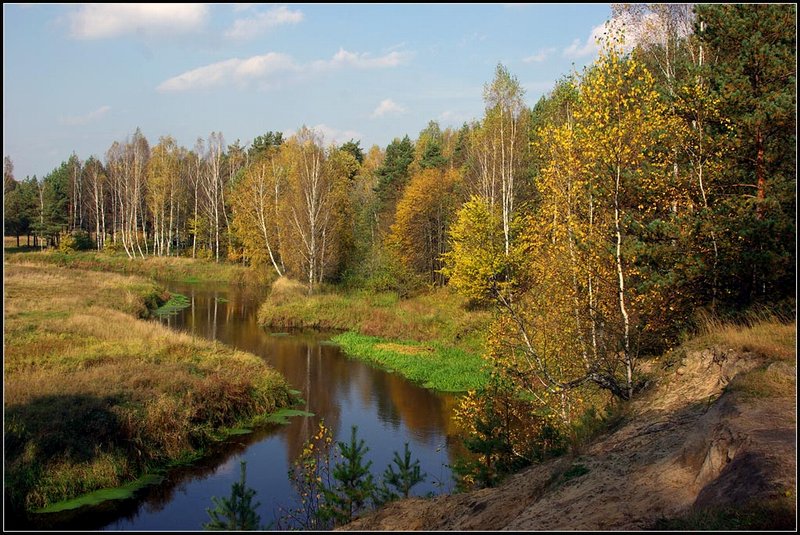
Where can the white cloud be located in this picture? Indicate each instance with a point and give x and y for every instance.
(646, 29)
(343, 58)
(239, 7)
(78, 120)
(261, 22)
(540, 56)
(271, 68)
(388, 107)
(589, 47)
(102, 21)
(231, 71)
(450, 117)
(334, 136)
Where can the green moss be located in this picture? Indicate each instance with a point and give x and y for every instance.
(99, 496)
(576, 470)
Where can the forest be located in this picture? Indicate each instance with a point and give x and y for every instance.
(599, 225)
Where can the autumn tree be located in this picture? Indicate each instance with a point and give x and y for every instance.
(424, 215)
(257, 197)
(313, 191)
(164, 192)
(96, 179)
(503, 144)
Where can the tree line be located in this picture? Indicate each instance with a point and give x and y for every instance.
(659, 180)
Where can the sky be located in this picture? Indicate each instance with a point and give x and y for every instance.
(78, 77)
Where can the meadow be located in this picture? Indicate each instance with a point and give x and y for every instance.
(96, 396)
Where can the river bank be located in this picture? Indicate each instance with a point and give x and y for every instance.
(96, 397)
(433, 338)
(710, 446)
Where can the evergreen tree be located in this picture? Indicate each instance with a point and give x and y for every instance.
(754, 77)
(393, 174)
(354, 485)
(354, 148)
(408, 474)
(237, 512)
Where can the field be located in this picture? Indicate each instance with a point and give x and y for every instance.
(97, 397)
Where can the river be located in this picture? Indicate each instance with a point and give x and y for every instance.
(388, 410)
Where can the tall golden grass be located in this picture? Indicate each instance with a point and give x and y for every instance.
(761, 332)
(94, 397)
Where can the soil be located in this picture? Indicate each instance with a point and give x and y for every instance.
(687, 443)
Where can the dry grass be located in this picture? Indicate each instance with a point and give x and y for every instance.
(770, 337)
(161, 268)
(94, 397)
(437, 316)
(764, 334)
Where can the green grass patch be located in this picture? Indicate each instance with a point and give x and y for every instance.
(99, 496)
(575, 471)
(174, 304)
(282, 416)
(438, 316)
(432, 364)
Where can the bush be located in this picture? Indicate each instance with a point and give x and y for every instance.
(77, 240)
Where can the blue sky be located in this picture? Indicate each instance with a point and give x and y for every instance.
(77, 77)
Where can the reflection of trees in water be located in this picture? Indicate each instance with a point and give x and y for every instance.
(320, 372)
(308, 367)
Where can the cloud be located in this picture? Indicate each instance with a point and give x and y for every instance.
(540, 56)
(645, 29)
(103, 21)
(343, 58)
(450, 117)
(231, 71)
(272, 68)
(334, 136)
(589, 47)
(78, 120)
(239, 7)
(388, 107)
(261, 22)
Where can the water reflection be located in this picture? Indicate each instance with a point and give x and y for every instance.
(387, 409)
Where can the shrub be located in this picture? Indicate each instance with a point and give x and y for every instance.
(77, 240)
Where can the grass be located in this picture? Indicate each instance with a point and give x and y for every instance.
(774, 514)
(175, 303)
(439, 315)
(99, 496)
(771, 337)
(431, 338)
(96, 398)
(430, 364)
(767, 335)
(173, 268)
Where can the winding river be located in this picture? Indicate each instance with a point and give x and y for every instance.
(388, 410)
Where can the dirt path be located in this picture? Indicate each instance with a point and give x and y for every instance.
(689, 443)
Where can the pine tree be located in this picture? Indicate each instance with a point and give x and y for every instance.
(237, 512)
(354, 485)
(408, 475)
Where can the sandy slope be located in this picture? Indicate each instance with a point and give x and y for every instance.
(686, 444)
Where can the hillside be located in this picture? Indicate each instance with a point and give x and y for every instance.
(714, 440)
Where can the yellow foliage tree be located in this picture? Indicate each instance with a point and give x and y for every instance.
(423, 217)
